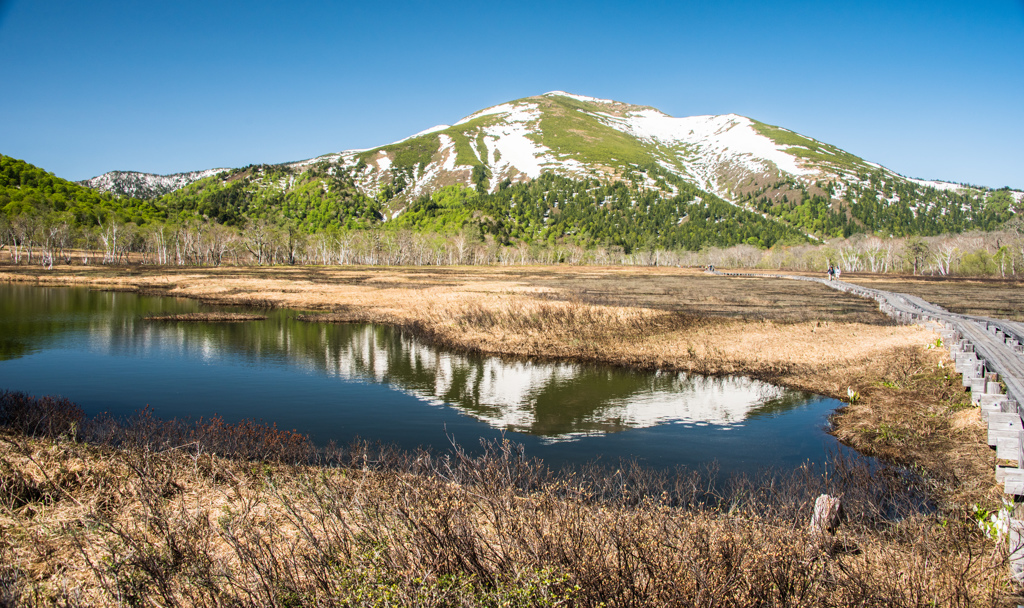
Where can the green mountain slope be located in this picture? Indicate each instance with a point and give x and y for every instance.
(28, 191)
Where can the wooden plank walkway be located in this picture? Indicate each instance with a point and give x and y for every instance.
(989, 353)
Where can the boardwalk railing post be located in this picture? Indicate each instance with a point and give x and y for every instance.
(1017, 550)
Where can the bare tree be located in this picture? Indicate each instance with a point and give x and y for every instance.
(109, 234)
(21, 230)
(129, 241)
(258, 240)
(459, 247)
(217, 242)
(947, 253)
(322, 248)
(85, 241)
(1016, 229)
(872, 252)
(54, 233)
(344, 244)
(5, 232)
(158, 238)
(849, 258)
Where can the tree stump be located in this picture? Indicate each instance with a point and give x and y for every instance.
(828, 512)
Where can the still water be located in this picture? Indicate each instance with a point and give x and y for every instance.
(339, 382)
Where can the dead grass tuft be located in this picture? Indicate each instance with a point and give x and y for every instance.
(527, 316)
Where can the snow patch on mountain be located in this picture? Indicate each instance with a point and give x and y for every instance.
(446, 164)
(145, 185)
(725, 138)
(433, 129)
(448, 153)
(509, 146)
(512, 151)
(579, 97)
(934, 184)
(476, 150)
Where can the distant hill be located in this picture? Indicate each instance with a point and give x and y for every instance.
(145, 185)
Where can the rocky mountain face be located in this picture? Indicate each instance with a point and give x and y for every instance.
(145, 185)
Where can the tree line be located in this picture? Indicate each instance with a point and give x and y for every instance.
(265, 215)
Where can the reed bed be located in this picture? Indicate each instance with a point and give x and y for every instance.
(913, 410)
(814, 355)
(207, 317)
(149, 522)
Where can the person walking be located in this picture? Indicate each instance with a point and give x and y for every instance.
(831, 272)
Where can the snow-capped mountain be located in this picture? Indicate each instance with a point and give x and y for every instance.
(145, 185)
(578, 136)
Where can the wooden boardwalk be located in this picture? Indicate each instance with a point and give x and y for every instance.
(989, 353)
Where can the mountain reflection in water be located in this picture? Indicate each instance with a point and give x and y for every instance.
(555, 400)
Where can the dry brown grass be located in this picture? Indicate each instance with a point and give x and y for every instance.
(808, 354)
(912, 409)
(90, 525)
(987, 297)
(397, 291)
(83, 524)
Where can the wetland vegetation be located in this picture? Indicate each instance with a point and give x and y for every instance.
(108, 520)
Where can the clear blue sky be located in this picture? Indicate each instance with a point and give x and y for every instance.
(929, 89)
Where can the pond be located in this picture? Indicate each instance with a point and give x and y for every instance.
(343, 381)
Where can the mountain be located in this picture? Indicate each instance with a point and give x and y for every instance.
(733, 157)
(576, 136)
(145, 185)
(31, 193)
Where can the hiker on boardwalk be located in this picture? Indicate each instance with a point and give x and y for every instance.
(831, 272)
(839, 272)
